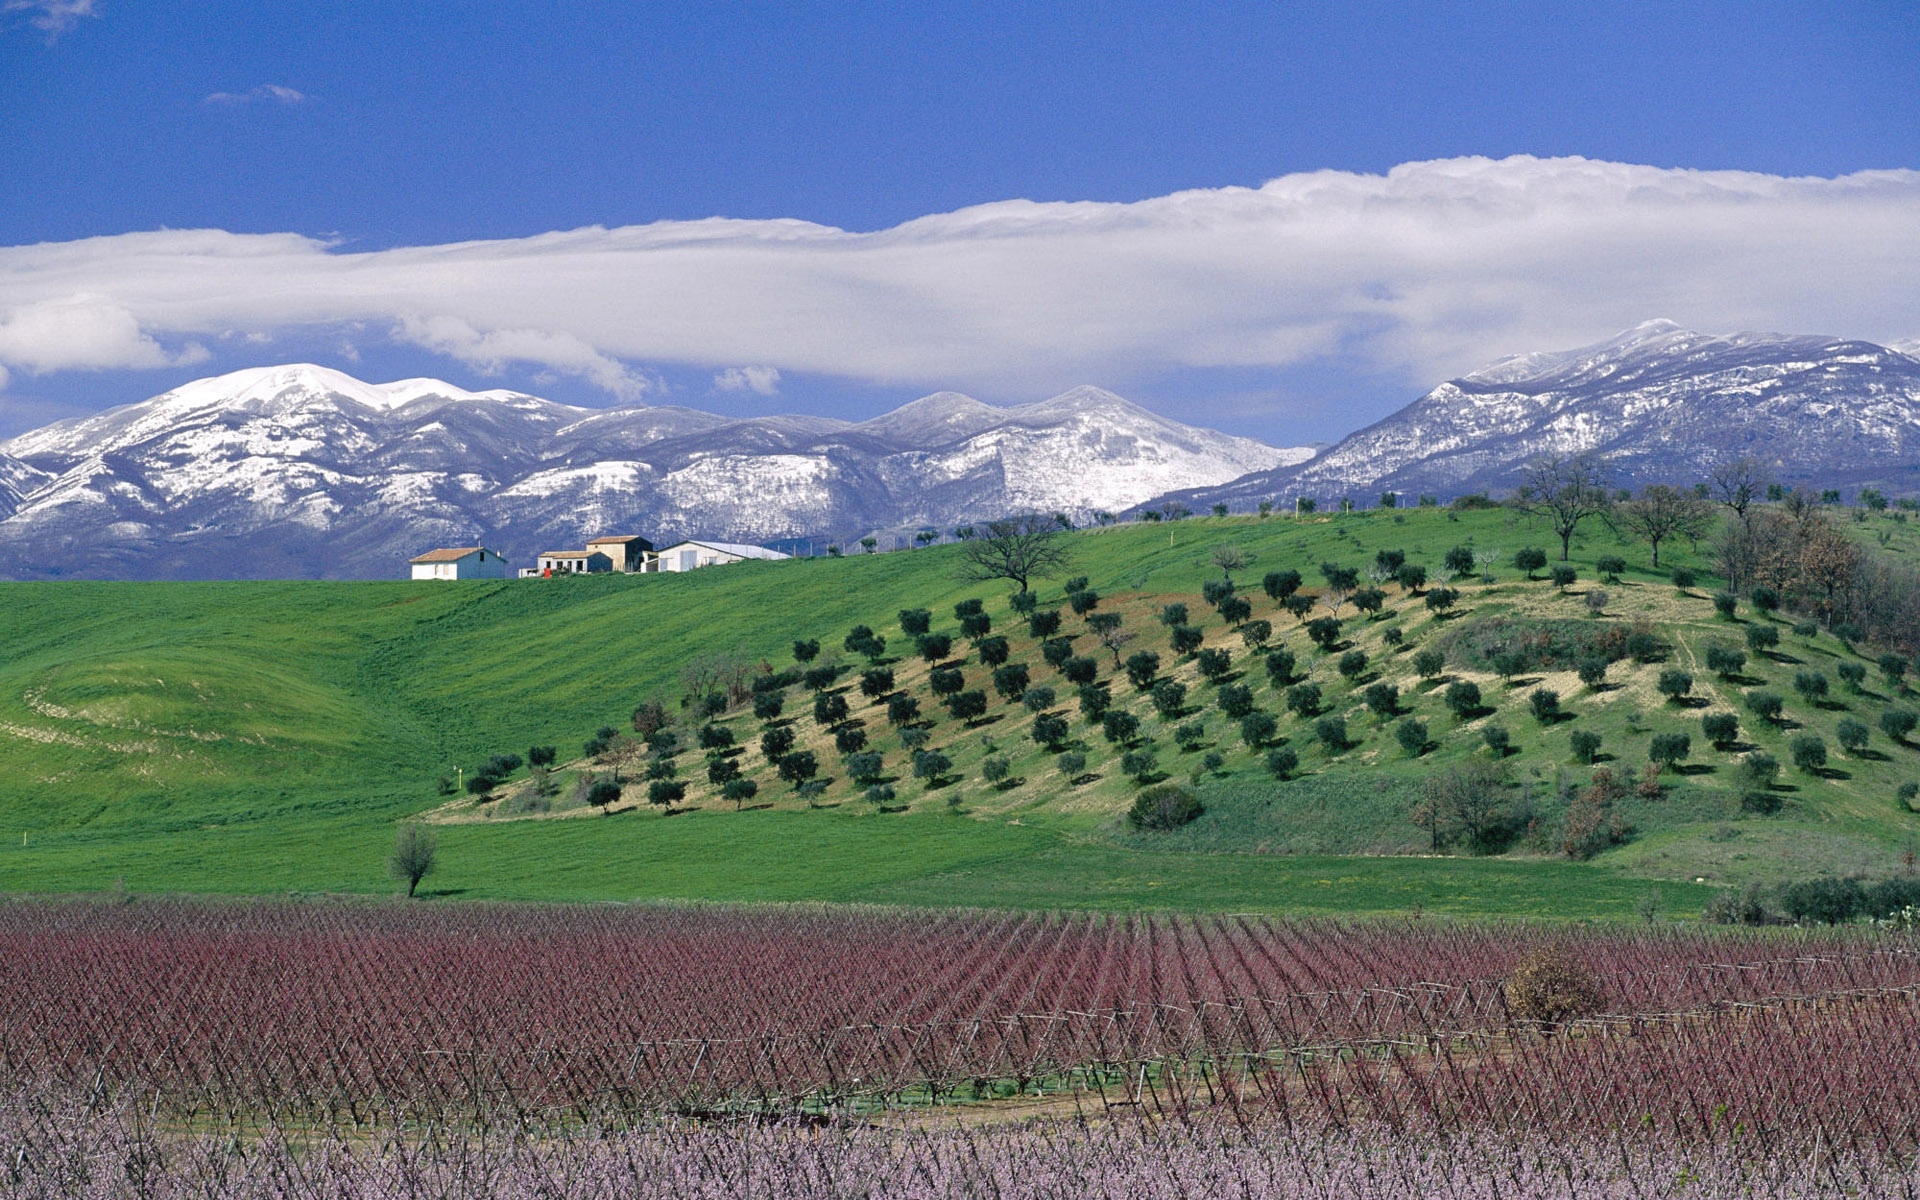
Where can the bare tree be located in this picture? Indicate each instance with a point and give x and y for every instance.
(1739, 483)
(413, 850)
(1019, 549)
(1468, 797)
(1566, 490)
(1662, 512)
(1231, 558)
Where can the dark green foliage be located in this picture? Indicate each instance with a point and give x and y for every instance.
(1141, 764)
(1851, 735)
(1894, 667)
(945, 681)
(1332, 733)
(1119, 726)
(1076, 584)
(662, 768)
(1459, 560)
(1103, 624)
(721, 769)
(480, 783)
(1213, 591)
(818, 678)
(1509, 663)
(1080, 670)
(1169, 697)
(1303, 699)
(865, 767)
(1585, 744)
(1683, 577)
(1592, 671)
(1724, 603)
(768, 705)
(662, 792)
(1057, 651)
(1412, 736)
(1440, 599)
(1389, 561)
(850, 739)
(1530, 560)
(915, 621)
(1323, 632)
(1411, 576)
(1809, 751)
(1215, 664)
(1038, 698)
(934, 647)
(541, 756)
(1763, 804)
(1907, 793)
(1643, 645)
(1340, 578)
(1234, 700)
(740, 791)
(1667, 749)
(902, 710)
(876, 681)
(1428, 664)
(1282, 762)
(968, 608)
(1563, 575)
(1011, 681)
(1369, 599)
(1497, 739)
(798, 766)
(1043, 623)
(1759, 769)
(1765, 705)
(1384, 700)
(1186, 639)
(1166, 806)
(968, 706)
(1050, 730)
(1611, 567)
(1210, 763)
(664, 742)
(1826, 900)
(1235, 609)
(1674, 684)
(1898, 723)
(1141, 669)
(829, 708)
(1173, 615)
(931, 765)
(1281, 584)
(1257, 728)
(715, 737)
(1812, 686)
(995, 769)
(975, 626)
(1722, 729)
(1463, 698)
(1298, 605)
(1725, 661)
(1083, 602)
(806, 651)
(865, 642)
(1095, 700)
(1022, 602)
(1280, 664)
(1762, 638)
(1766, 600)
(1852, 674)
(1807, 630)
(1071, 764)
(1190, 735)
(1545, 705)
(992, 650)
(1353, 664)
(914, 737)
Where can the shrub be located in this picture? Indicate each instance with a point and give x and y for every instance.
(1439, 600)
(1280, 664)
(1210, 763)
(1369, 599)
(776, 741)
(1043, 623)
(995, 769)
(992, 650)
(541, 756)
(1763, 804)
(1094, 700)
(1586, 745)
(1080, 669)
(768, 706)
(1166, 806)
(866, 766)
(663, 792)
(914, 622)
(715, 737)
(1257, 728)
(1323, 632)
(1141, 669)
(1185, 639)
(740, 791)
(1765, 705)
(1596, 601)
(1022, 602)
(1545, 705)
(1214, 664)
(902, 710)
(1852, 674)
(1332, 733)
(1463, 698)
(1894, 667)
(1011, 681)
(1173, 615)
(1234, 700)
(1429, 663)
(829, 708)
(1189, 736)
(798, 766)
(1235, 609)
(1759, 769)
(1766, 600)
(1667, 749)
(1564, 576)
(1809, 752)
(1384, 700)
(1811, 685)
(1353, 664)
(1050, 730)
(1071, 764)
(1282, 762)
(1140, 765)
(818, 679)
(1897, 723)
(1762, 638)
(1459, 560)
(1530, 560)
(968, 706)
(1644, 646)
(1852, 736)
(1255, 634)
(1674, 684)
(1725, 661)
(931, 765)
(1497, 739)
(807, 650)
(1724, 604)
(1611, 567)
(1303, 699)
(1807, 630)
(1683, 578)
(1722, 729)
(1412, 577)
(1119, 727)
(1169, 697)
(1412, 736)
(1906, 794)
(1550, 986)
(1592, 672)
(1280, 584)
(1057, 651)
(933, 647)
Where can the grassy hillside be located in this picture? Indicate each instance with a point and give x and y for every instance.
(265, 737)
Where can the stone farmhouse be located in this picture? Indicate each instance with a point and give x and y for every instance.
(622, 554)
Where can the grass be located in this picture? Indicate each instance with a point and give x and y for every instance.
(265, 737)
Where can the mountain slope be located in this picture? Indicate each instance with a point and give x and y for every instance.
(1664, 403)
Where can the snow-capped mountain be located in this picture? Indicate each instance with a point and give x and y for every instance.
(1664, 404)
(298, 471)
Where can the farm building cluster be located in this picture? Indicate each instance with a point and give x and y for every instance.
(621, 554)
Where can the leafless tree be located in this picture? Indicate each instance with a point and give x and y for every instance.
(1468, 797)
(1739, 483)
(1566, 490)
(1231, 558)
(413, 850)
(1020, 549)
(1662, 512)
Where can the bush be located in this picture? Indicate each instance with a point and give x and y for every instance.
(1550, 986)
(902, 709)
(1894, 667)
(1724, 603)
(1141, 669)
(1189, 736)
(1722, 729)
(1167, 806)
(1592, 672)
(1852, 736)
(1043, 623)
(1412, 736)
(1214, 664)
(1611, 567)
(1050, 730)
(1022, 602)
(876, 682)
(1303, 699)
(1811, 685)
(1071, 764)
(1765, 705)
(1564, 576)
(829, 708)
(933, 647)
(1280, 665)
(1094, 700)
(1119, 727)
(740, 791)
(1597, 601)
(1459, 561)
(1586, 745)
(807, 650)
(767, 706)
(1185, 639)
(1852, 674)
(915, 621)
(1384, 700)
(1898, 723)
(1257, 728)
(1332, 733)
(1428, 664)
(1282, 763)
(1497, 739)
(1766, 600)
(1725, 661)
(1353, 664)
(1140, 765)
(1759, 769)
(1906, 794)
(1169, 697)
(1210, 763)
(1644, 645)
(1530, 560)
(1545, 705)
(1234, 700)
(1080, 669)
(1826, 900)
(1280, 584)
(1683, 577)
(1439, 600)
(995, 769)
(1762, 638)
(1323, 632)
(931, 765)
(1807, 630)
(541, 756)
(1674, 684)
(865, 766)
(1809, 752)
(1669, 749)
(798, 766)
(1463, 699)
(776, 742)
(992, 650)
(662, 792)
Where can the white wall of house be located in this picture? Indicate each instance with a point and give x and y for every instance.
(481, 564)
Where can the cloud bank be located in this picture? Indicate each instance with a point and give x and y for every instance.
(1425, 272)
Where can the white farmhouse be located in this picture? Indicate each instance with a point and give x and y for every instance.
(459, 562)
(686, 556)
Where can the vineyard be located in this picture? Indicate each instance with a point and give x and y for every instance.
(598, 1039)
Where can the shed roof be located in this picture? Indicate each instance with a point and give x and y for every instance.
(571, 554)
(621, 538)
(450, 554)
(741, 549)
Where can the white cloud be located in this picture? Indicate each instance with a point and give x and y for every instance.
(270, 93)
(764, 381)
(1427, 271)
(86, 331)
(52, 17)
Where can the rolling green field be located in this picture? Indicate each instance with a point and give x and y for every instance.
(266, 737)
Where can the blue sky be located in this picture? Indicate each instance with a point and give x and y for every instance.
(371, 139)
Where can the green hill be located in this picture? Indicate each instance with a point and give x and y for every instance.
(260, 737)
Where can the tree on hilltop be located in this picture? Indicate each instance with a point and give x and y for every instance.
(1019, 549)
